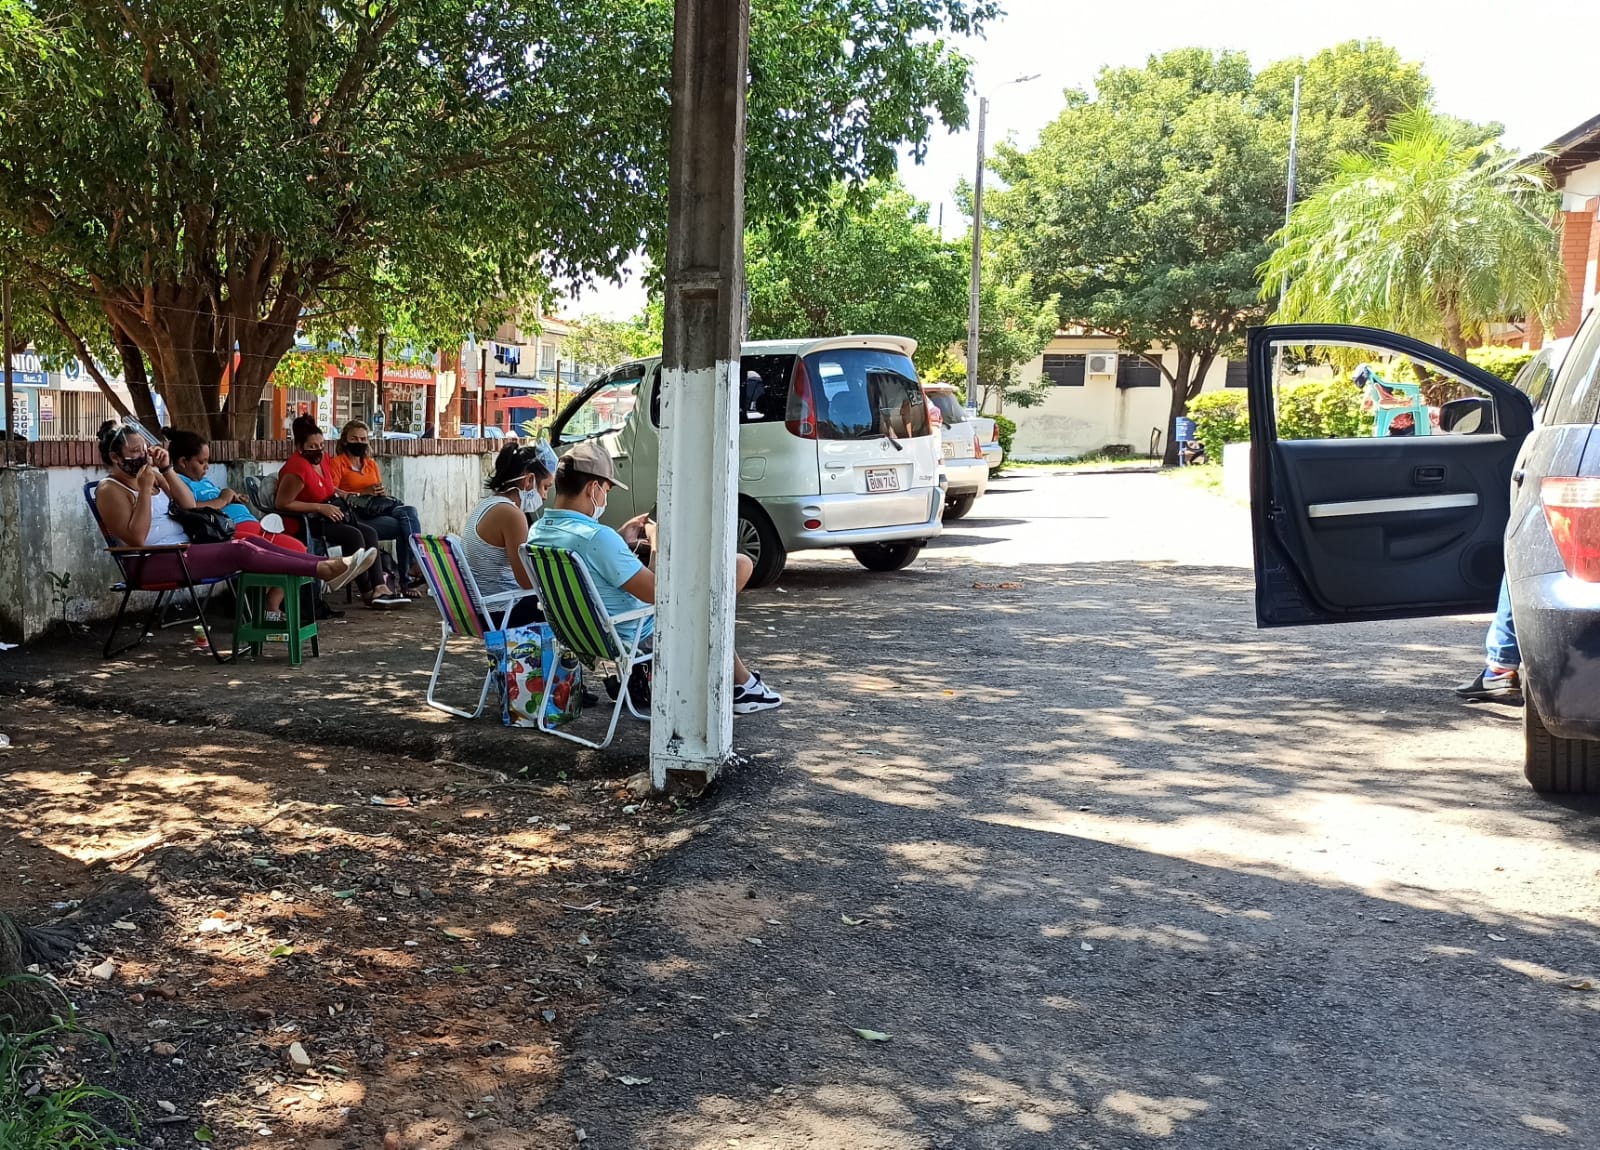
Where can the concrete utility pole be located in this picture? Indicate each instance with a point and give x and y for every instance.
(977, 264)
(383, 398)
(691, 731)
(977, 249)
(483, 392)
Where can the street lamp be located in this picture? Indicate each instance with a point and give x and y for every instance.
(977, 251)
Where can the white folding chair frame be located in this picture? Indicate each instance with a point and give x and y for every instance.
(484, 603)
(630, 659)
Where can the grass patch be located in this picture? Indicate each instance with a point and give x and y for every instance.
(45, 1107)
(1205, 477)
(1097, 461)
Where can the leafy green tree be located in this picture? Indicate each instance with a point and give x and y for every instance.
(595, 341)
(1014, 325)
(213, 175)
(1425, 235)
(1149, 204)
(865, 261)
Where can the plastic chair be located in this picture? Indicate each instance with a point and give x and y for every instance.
(130, 561)
(463, 609)
(250, 627)
(582, 625)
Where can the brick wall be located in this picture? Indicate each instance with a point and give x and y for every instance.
(1580, 245)
(86, 452)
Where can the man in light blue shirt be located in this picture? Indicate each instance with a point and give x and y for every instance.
(584, 478)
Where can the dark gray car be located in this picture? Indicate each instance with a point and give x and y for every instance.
(1422, 524)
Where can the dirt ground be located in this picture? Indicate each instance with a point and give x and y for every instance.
(1049, 847)
(430, 956)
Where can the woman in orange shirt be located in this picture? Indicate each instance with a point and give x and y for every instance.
(355, 474)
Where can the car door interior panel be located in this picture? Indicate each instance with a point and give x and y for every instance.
(1377, 528)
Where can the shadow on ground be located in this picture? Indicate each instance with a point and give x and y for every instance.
(367, 690)
(1111, 868)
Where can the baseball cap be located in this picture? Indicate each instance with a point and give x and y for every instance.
(589, 458)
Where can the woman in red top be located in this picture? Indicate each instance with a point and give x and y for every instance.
(305, 488)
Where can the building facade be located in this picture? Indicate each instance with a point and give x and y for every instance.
(1102, 397)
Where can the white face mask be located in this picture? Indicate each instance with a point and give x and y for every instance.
(531, 501)
(599, 508)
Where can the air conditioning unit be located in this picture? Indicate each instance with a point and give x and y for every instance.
(1102, 363)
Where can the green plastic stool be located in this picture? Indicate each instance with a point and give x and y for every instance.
(250, 627)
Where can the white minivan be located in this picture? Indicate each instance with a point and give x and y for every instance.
(836, 448)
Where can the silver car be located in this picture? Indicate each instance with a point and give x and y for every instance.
(836, 448)
(966, 468)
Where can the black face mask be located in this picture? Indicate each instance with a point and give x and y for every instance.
(356, 450)
(136, 464)
(313, 457)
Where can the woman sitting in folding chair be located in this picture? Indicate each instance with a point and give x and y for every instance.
(497, 529)
(133, 502)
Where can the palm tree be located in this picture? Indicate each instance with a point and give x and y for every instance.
(1428, 236)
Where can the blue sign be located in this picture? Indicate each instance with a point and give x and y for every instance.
(1183, 429)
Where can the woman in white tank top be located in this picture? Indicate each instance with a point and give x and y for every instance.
(133, 502)
(497, 529)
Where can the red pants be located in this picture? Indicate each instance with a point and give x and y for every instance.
(219, 560)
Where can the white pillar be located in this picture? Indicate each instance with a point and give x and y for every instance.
(691, 728)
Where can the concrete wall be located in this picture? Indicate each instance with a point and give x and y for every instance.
(1075, 421)
(45, 526)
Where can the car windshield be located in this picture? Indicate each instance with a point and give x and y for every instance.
(864, 393)
(948, 406)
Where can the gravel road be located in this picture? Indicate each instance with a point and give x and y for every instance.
(1108, 866)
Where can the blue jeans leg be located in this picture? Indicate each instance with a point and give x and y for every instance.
(1501, 643)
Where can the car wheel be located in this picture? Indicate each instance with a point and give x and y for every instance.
(957, 506)
(1553, 765)
(758, 542)
(886, 556)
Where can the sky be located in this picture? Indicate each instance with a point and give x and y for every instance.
(1530, 65)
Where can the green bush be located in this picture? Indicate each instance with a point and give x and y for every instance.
(1005, 430)
(1502, 361)
(1328, 410)
(1220, 417)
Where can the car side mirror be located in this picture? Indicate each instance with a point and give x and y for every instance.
(1473, 415)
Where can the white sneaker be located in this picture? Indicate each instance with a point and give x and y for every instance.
(757, 697)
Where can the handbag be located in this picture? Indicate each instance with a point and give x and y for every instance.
(373, 506)
(202, 524)
(525, 661)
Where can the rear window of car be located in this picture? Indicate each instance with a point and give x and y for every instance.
(864, 393)
(948, 407)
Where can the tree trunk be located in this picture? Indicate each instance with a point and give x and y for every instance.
(1179, 382)
(136, 379)
(26, 1002)
(1453, 338)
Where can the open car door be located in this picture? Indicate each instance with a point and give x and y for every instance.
(1360, 525)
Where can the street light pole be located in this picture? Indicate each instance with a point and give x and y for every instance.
(973, 317)
(977, 264)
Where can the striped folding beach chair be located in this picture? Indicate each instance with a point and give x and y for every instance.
(462, 609)
(582, 625)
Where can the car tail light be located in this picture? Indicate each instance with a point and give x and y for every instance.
(977, 444)
(1572, 508)
(994, 431)
(802, 412)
